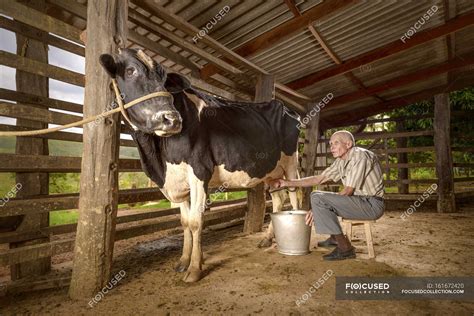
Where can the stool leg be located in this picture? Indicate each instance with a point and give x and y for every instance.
(349, 230)
(368, 236)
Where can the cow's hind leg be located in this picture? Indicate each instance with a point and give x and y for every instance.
(188, 239)
(198, 200)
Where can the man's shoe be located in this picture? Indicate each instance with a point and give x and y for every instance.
(337, 254)
(327, 243)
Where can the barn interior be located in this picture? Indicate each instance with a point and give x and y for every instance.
(340, 64)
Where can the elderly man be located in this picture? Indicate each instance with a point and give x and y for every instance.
(361, 198)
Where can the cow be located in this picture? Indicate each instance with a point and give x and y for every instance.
(195, 141)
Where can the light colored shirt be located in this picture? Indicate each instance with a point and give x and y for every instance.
(361, 171)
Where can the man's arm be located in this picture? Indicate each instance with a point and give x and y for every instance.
(304, 182)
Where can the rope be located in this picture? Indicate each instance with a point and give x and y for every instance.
(121, 108)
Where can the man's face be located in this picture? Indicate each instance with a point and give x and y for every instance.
(339, 146)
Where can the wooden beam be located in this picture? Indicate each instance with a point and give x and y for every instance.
(256, 196)
(310, 149)
(64, 136)
(291, 103)
(390, 49)
(33, 183)
(191, 30)
(50, 203)
(144, 22)
(43, 37)
(40, 68)
(286, 29)
(188, 28)
(444, 159)
(34, 163)
(46, 102)
(29, 112)
(322, 42)
(402, 158)
(286, 89)
(216, 216)
(145, 42)
(161, 50)
(98, 201)
(335, 119)
(449, 13)
(71, 6)
(418, 75)
(39, 20)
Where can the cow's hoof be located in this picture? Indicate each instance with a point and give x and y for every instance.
(192, 275)
(265, 243)
(181, 267)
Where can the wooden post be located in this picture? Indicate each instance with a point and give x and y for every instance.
(32, 184)
(309, 156)
(106, 28)
(444, 159)
(403, 188)
(256, 196)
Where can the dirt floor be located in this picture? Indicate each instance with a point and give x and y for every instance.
(242, 279)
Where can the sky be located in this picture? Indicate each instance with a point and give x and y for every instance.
(57, 89)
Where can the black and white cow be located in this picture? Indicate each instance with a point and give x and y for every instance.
(199, 141)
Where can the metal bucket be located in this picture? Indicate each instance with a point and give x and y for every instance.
(291, 233)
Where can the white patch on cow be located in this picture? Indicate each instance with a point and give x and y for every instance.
(241, 179)
(200, 104)
(176, 186)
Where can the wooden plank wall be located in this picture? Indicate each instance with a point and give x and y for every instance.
(378, 141)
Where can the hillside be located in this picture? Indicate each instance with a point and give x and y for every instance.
(63, 148)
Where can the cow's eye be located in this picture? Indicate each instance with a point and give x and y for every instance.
(131, 72)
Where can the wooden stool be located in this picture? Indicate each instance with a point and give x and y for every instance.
(348, 223)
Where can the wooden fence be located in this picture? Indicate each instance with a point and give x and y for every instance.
(392, 150)
(42, 109)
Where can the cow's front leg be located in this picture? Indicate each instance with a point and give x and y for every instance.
(198, 200)
(188, 239)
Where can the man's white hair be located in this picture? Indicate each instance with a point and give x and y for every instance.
(346, 135)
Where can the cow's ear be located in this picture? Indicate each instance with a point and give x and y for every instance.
(176, 83)
(108, 62)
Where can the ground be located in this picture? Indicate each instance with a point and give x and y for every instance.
(242, 279)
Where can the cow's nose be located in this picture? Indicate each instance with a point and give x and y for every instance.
(166, 119)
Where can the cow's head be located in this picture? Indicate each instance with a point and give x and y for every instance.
(138, 75)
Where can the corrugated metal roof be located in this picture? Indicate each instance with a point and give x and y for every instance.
(349, 32)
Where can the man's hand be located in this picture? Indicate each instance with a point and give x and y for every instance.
(348, 191)
(309, 218)
(277, 183)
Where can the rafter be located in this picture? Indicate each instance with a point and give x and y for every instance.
(416, 76)
(190, 29)
(352, 115)
(285, 30)
(449, 13)
(329, 51)
(390, 49)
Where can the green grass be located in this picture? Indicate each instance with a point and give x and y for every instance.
(7, 181)
(71, 216)
(63, 217)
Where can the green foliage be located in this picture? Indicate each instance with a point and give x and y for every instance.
(7, 181)
(63, 217)
(132, 180)
(63, 183)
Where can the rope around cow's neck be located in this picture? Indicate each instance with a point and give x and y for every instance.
(121, 108)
